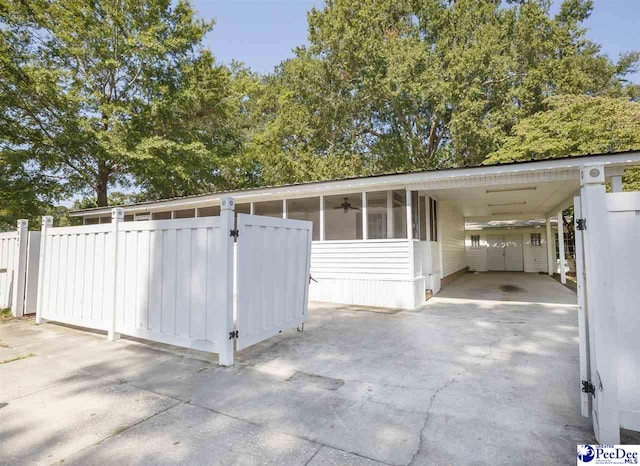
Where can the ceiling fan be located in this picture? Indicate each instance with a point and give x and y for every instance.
(346, 205)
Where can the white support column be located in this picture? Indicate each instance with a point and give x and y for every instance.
(321, 218)
(603, 327)
(551, 256)
(284, 208)
(224, 316)
(47, 222)
(20, 269)
(409, 215)
(563, 261)
(252, 208)
(389, 214)
(173, 215)
(365, 223)
(117, 216)
(616, 184)
(197, 213)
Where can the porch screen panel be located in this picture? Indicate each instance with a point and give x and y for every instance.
(399, 214)
(343, 216)
(377, 215)
(268, 208)
(306, 209)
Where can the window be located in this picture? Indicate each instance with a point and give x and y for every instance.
(399, 214)
(433, 219)
(306, 209)
(343, 216)
(536, 239)
(475, 241)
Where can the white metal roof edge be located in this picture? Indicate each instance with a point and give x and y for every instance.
(392, 181)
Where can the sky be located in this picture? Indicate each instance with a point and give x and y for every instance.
(262, 33)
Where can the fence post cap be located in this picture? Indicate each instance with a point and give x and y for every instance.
(117, 213)
(47, 220)
(23, 222)
(592, 174)
(227, 204)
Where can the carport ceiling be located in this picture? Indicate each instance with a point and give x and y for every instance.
(533, 200)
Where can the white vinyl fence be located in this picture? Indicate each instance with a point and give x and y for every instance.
(608, 267)
(8, 260)
(169, 281)
(16, 266)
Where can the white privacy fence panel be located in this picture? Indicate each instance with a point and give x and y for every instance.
(171, 285)
(8, 257)
(624, 229)
(76, 279)
(274, 258)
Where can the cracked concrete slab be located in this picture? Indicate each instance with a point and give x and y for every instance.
(476, 376)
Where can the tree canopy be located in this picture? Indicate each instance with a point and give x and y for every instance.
(122, 95)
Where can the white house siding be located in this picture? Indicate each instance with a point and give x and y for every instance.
(451, 235)
(535, 257)
(369, 273)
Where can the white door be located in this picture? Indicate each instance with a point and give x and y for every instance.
(495, 253)
(513, 258)
(274, 258)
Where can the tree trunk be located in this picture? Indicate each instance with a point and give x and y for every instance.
(102, 186)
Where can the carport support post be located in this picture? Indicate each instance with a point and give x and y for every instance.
(117, 216)
(563, 271)
(226, 324)
(603, 328)
(550, 253)
(47, 222)
(17, 305)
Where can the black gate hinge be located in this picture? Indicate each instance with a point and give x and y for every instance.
(581, 224)
(233, 334)
(588, 387)
(235, 233)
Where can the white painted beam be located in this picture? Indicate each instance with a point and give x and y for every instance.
(551, 256)
(365, 223)
(321, 218)
(563, 271)
(408, 202)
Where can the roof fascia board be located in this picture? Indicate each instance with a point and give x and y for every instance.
(463, 177)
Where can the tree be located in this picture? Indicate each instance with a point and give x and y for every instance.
(575, 125)
(96, 95)
(389, 85)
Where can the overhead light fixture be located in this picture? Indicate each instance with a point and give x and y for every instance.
(508, 190)
(506, 213)
(507, 203)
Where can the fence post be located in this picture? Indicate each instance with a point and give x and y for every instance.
(117, 216)
(20, 269)
(47, 222)
(227, 223)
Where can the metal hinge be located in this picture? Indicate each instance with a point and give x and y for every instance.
(581, 224)
(588, 387)
(233, 335)
(235, 233)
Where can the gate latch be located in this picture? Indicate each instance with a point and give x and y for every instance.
(235, 233)
(588, 387)
(233, 335)
(581, 224)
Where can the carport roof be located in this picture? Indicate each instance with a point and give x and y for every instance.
(564, 168)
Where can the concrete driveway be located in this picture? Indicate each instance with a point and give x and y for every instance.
(486, 373)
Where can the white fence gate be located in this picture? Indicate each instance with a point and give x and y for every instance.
(274, 258)
(608, 271)
(8, 259)
(19, 269)
(170, 281)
